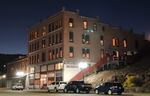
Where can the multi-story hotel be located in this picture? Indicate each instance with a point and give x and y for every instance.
(58, 44)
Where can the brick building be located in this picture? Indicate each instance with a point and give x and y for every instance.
(18, 65)
(59, 43)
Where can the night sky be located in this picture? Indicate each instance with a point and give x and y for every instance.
(17, 15)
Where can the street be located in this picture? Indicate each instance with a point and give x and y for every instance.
(5, 92)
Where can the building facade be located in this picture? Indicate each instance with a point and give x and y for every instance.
(60, 43)
(19, 65)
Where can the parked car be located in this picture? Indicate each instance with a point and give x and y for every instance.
(17, 86)
(56, 86)
(109, 88)
(77, 87)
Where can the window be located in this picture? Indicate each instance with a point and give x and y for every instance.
(85, 38)
(50, 28)
(85, 25)
(53, 54)
(71, 37)
(95, 27)
(71, 22)
(43, 57)
(101, 40)
(60, 37)
(86, 53)
(53, 41)
(124, 43)
(56, 38)
(59, 66)
(57, 55)
(71, 52)
(43, 43)
(35, 34)
(49, 41)
(115, 55)
(115, 42)
(50, 55)
(136, 44)
(103, 28)
(60, 52)
(38, 59)
(102, 53)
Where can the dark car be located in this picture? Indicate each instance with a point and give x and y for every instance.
(109, 88)
(77, 87)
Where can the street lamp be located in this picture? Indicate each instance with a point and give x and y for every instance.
(82, 66)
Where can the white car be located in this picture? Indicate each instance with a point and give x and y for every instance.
(17, 87)
(56, 86)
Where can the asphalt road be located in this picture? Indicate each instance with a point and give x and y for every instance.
(5, 92)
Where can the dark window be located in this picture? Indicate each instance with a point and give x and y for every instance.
(53, 41)
(50, 27)
(71, 37)
(56, 38)
(136, 44)
(60, 37)
(43, 57)
(43, 43)
(85, 39)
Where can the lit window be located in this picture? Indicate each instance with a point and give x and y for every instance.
(35, 34)
(83, 52)
(101, 40)
(70, 36)
(86, 53)
(95, 27)
(71, 52)
(71, 22)
(57, 55)
(85, 25)
(125, 43)
(53, 54)
(38, 60)
(43, 33)
(50, 55)
(102, 53)
(49, 41)
(113, 42)
(59, 66)
(117, 54)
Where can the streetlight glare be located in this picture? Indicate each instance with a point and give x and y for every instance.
(83, 65)
(4, 76)
(20, 74)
